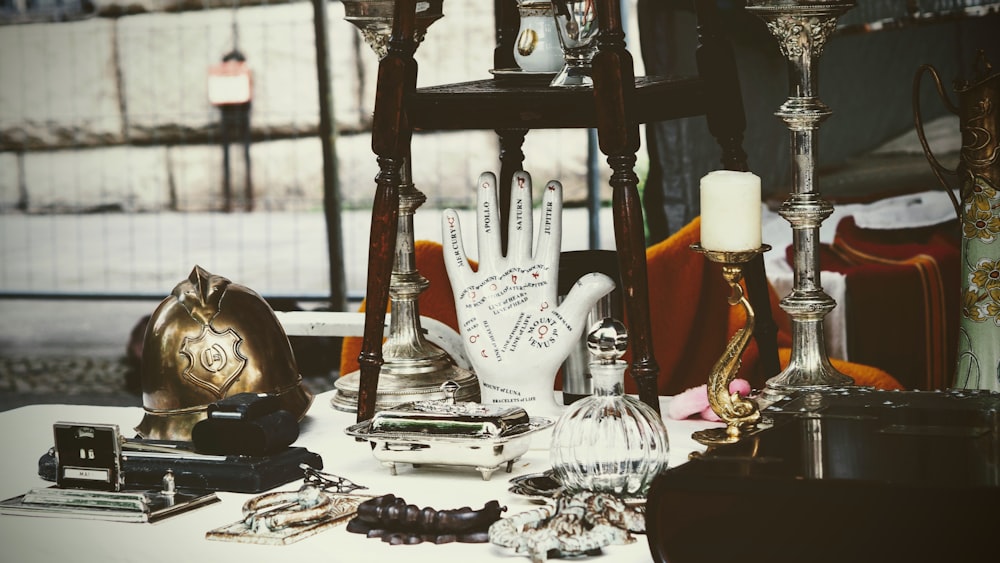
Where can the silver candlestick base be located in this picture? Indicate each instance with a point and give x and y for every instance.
(802, 28)
(414, 369)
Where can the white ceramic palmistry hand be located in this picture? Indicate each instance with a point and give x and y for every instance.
(514, 331)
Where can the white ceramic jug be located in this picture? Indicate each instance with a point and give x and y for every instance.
(537, 47)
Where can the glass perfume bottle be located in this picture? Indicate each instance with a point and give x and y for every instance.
(609, 442)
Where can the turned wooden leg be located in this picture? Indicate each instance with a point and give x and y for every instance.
(391, 135)
(631, 245)
(618, 137)
(385, 218)
(508, 22)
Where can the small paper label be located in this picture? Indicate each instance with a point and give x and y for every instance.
(86, 474)
(229, 83)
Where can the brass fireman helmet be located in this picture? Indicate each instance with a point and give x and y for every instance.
(212, 338)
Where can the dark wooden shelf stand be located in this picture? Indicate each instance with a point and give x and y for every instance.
(617, 104)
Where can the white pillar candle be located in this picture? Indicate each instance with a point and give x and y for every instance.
(730, 211)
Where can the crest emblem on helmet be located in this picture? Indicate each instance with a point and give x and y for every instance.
(214, 359)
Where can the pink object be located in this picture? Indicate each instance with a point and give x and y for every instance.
(695, 401)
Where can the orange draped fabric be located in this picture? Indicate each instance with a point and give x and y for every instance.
(691, 317)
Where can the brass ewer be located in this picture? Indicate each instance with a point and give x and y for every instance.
(979, 122)
(977, 179)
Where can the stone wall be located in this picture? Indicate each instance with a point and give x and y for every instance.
(112, 112)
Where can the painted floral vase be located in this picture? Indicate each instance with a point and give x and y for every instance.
(979, 331)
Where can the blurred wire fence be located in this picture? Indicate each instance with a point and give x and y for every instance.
(119, 169)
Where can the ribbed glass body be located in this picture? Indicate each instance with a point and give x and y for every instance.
(609, 442)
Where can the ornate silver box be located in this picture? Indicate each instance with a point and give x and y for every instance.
(483, 436)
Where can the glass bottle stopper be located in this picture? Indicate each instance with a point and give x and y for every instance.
(607, 341)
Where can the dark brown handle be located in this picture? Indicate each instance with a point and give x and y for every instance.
(938, 169)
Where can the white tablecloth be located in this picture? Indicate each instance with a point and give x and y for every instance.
(26, 434)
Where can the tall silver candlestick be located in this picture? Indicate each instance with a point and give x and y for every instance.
(413, 368)
(802, 28)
